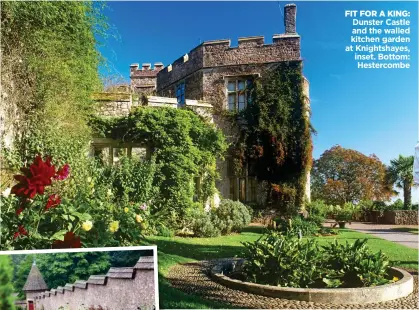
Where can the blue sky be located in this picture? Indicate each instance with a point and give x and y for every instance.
(369, 110)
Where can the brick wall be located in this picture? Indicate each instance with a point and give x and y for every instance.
(119, 289)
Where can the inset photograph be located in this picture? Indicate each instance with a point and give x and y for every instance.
(83, 279)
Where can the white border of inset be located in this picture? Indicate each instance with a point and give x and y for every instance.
(110, 249)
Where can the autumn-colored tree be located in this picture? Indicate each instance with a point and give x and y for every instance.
(400, 173)
(343, 175)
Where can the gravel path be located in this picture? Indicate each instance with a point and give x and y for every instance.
(192, 279)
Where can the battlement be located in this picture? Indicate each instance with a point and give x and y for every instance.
(145, 70)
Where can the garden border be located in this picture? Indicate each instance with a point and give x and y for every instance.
(362, 295)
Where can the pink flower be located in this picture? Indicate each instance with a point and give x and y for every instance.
(143, 207)
(63, 172)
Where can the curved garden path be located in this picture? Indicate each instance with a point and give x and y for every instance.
(192, 278)
(388, 232)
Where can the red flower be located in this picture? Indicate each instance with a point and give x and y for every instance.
(53, 201)
(70, 241)
(63, 172)
(18, 211)
(34, 178)
(21, 232)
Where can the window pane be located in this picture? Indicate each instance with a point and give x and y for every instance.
(249, 83)
(241, 85)
(231, 86)
(232, 98)
(241, 106)
(241, 98)
(232, 102)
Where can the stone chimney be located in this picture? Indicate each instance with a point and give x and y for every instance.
(290, 16)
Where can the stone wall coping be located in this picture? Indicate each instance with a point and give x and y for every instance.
(214, 42)
(80, 284)
(60, 290)
(290, 4)
(285, 36)
(399, 289)
(121, 273)
(69, 287)
(252, 38)
(97, 279)
(53, 291)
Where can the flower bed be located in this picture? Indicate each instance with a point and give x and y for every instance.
(401, 288)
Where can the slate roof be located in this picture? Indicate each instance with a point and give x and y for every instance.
(35, 281)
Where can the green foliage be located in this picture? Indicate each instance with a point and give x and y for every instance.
(318, 207)
(51, 65)
(184, 146)
(58, 269)
(127, 258)
(276, 136)
(346, 212)
(296, 224)
(284, 260)
(281, 260)
(203, 224)
(231, 216)
(353, 265)
(6, 285)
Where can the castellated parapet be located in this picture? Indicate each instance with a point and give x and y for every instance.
(250, 50)
(126, 288)
(143, 80)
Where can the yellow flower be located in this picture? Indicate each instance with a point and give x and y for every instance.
(126, 210)
(114, 226)
(87, 225)
(395, 279)
(138, 218)
(89, 179)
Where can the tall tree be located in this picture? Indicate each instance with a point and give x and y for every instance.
(343, 175)
(6, 286)
(400, 173)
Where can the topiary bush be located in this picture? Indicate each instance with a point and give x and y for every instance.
(231, 216)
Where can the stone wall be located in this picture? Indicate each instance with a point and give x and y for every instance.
(397, 217)
(144, 80)
(120, 289)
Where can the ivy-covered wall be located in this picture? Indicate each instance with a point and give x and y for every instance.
(184, 146)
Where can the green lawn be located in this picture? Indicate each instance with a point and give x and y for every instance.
(176, 250)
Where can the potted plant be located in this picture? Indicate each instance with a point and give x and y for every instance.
(343, 216)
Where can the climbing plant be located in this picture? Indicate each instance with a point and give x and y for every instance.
(184, 146)
(275, 137)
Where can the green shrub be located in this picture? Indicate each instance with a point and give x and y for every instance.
(353, 265)
(318, 207)
(230, 216)
(296, 224)
(282, 260)
(202, 224)
(317, 219)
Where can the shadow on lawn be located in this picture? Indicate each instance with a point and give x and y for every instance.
(197, 251)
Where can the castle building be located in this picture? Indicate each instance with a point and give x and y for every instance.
(214, 74)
